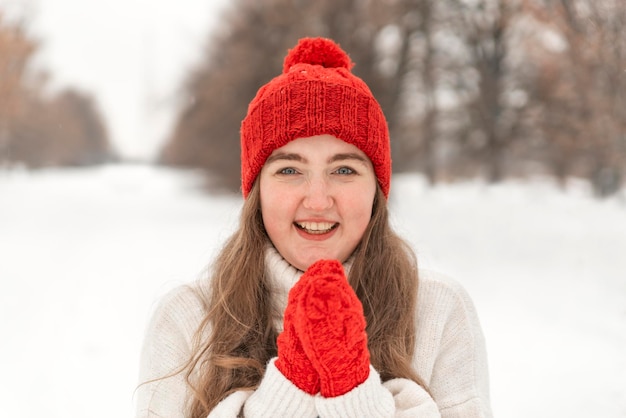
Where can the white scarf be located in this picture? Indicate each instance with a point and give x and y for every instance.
(282, 277)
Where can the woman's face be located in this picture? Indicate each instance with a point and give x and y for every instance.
(316, 199)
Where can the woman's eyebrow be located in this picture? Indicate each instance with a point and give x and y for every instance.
(285, 156)
(279, 156)
(347, 156)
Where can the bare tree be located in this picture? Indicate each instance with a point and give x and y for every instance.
(485, 80)
(16, 50)
(582, 90)
(38, 128)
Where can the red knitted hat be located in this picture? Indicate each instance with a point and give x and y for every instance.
(316, 94)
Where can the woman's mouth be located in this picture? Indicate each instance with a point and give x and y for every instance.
(316, 228)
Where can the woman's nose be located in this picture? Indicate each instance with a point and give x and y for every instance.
(318, 195)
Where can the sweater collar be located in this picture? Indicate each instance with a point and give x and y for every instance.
(282, 277)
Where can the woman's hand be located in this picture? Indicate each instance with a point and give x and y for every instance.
(324, 345)
(292, 361)
(330, 325)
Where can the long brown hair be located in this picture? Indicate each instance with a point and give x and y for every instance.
(383, 274)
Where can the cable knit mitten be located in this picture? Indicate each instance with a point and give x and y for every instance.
(331, 326)
(292, 360)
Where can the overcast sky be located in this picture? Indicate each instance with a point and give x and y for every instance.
(131, 55)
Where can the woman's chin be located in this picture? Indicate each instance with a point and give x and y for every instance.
(303, 264)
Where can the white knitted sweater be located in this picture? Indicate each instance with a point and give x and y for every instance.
(449, 356)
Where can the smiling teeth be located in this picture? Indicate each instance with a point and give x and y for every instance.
(316, 227)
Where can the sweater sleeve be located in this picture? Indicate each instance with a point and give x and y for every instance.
(162, 390)
(276, 396)
(451, 354)
(396, 398)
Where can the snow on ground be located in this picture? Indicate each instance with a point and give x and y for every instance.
(85, 254)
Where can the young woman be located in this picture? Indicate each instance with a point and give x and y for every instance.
(314, 307)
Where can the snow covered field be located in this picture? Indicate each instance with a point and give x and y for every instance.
(85, 254)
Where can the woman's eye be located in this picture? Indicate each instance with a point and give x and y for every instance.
(288, 170)
(345, 170)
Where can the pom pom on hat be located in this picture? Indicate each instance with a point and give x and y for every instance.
(317, 51)
(316, 94)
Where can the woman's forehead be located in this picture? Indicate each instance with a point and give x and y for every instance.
(319, 144)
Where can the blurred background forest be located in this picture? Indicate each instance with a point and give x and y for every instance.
(491, 89)
(39, 128)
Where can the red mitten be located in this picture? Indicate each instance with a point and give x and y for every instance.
(331, 326)
(292, 361)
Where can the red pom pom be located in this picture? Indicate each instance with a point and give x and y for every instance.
(317, 51)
